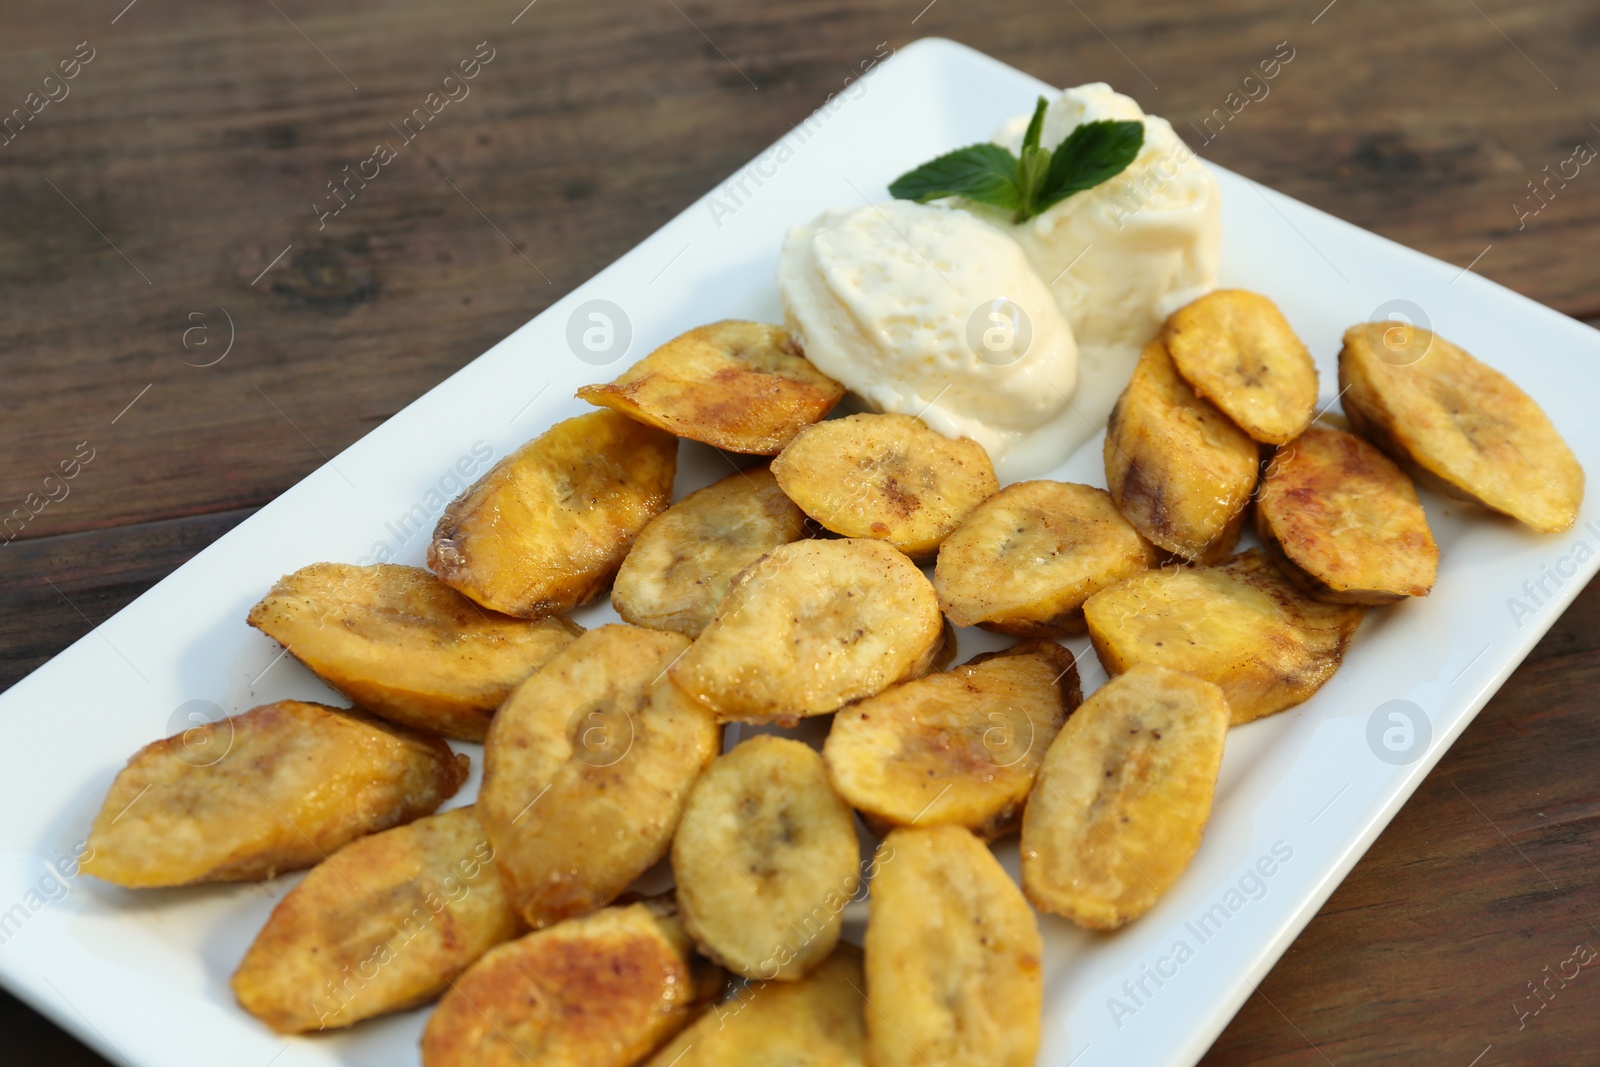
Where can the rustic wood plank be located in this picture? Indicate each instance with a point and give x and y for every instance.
(197, 137)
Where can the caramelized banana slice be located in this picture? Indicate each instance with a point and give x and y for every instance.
(273, 790)
(586, 768)
(1239, 352)
(1344, 522)
(809, 627)
(886, 476)
(405, 911)
(739, 386)
(1458, 425)
(1178, 469)
(814, 1022)
(679, 568)
(401, 644)
(1123, 797)
(953, 956)
(602, 991)
(1240, 624)
(958, 748)
(549, 525)
(766, 859)
(1026, 559)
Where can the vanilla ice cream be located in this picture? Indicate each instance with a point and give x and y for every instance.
(934, 312)
(1124, 255)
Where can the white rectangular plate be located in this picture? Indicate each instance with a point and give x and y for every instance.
(143, 977)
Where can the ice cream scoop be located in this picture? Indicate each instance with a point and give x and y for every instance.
(1122, 256)
(929, 310)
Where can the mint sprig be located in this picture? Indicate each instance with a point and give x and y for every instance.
(1034, 181)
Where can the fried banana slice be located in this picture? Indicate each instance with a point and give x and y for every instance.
(811, 626)
(402, 913)
(959, 748)
(1457, 425)
(953, 956)
(1344, 522)
(814, 1022)
(1238, 351)
(680, 566)
(401, 644)
(889, 477)
(1123, 797)
(766, 859)
(273, 790)
(738, 386)
(601, 991)
(586, 769)
(1178, 469)
(1026, 559)
(549, 525)
(1239, 623)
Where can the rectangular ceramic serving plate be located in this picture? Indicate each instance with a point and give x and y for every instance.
(143, 976)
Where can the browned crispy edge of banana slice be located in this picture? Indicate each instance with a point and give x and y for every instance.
(1064, 518)
(1178, 469)
(1238, 351)
(739, 386)
(1343, 521)
(887, 476)
(1438, 412)
(547, 527)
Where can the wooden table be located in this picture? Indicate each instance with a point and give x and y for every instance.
(172, 189)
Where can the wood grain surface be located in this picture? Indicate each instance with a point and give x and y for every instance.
(170, 193)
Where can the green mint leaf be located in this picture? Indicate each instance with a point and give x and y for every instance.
(986, 173)
(1094, 153)
(1035, 126)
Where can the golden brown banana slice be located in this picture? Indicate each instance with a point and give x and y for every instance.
(1458, 425)
(766, 859)
(1239, 352)
(586, 769)
(889, 477)
(1239, 623)
(1026, 559)
(1178, 469)
(958, 748)
(382, 925)
(1123, 797)
(601, 991)
(811, 626)
(273, 790)
(549, 525)
(401, 644)
(953, 956)
(739, 386)
(679, 568)
(814, 1022)
(1344, 522)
